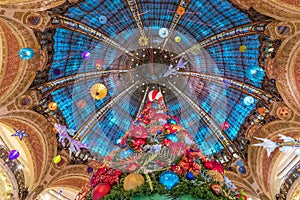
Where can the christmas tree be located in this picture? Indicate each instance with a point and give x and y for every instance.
(157, 148)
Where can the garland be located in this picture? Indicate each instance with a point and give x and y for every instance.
(199, 188)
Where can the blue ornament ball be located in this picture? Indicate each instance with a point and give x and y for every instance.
(242, 170)
(172, 121)
(159, 132)
(89, 169)
(172, 137)
(26, 53)
(125, 153)
(190, 176)
(248, 100)
(169, 179)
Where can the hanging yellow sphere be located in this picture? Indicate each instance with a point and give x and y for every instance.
(177, 39)
(52, 106)
(243, 48)
(98, 91)
(57, 159)
(132, 181)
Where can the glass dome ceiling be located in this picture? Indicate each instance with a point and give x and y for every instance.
(122, 45)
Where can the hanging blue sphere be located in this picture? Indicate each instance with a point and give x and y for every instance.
(102, 19)
(172, 137)
(125, 153)
(242, 170)
(169, 179)
(248, 100)
(172, 121)
(190, 176)
(26, 53)
(159, 132)
(89, 170)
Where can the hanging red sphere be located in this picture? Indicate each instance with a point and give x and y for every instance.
(138, 142)
(208, 165)
(225, 126)
(100, 191)
(167, 142)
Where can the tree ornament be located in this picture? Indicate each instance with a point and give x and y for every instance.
(172, 137)
(216, 188)
(100, 191)
(89, 170)
(208, 165)
(132, 181)
(169, 179)
(167, 142)
(190, 176)
(216, 176)
(20, 134)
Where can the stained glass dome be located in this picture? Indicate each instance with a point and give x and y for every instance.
(124, 46)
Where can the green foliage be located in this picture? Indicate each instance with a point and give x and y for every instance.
(198, 189)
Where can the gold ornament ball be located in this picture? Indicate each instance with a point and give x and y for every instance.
(52, 106)
(216, 176)
(98, 91)
(132, 181)
(243, 48)
(57, 159)
(177, 39)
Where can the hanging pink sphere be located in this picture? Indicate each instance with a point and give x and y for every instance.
(225, 126)
(13, 154)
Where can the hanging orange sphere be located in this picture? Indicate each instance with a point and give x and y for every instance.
(261, 111)
(98, 91)
(52, 106)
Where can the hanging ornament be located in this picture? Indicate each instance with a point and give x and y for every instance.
(177, 39)
(248, 100)
(262, 111)
(89, 170)
(56, 72)
(180, 10)
(81, 103)
(163, 32)
(172, 137)
(225, 126)
(102, 19)
(169, 179)
(243, 48)
(13, 154)
(143, 41)
(126, 153)
(171, 121)
(132, 181)
(190, 176)
(216, 176)
(155, 95)
(208, 165)
(98, 91)
(100, 191)
(26, 53)
(216, 188)
(57, 159)
(20, 134)
(86, 55)
(99, 63)
(167, 142)
(242, 170)
(52, 106)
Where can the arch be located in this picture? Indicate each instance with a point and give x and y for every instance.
(42, 143)
(16, 74)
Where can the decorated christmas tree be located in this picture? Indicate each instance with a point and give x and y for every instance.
(157, 159)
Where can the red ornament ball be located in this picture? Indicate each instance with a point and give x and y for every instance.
(138, 142)
(225, 126)
(208, 165)
(167, 142)
(100, 191)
